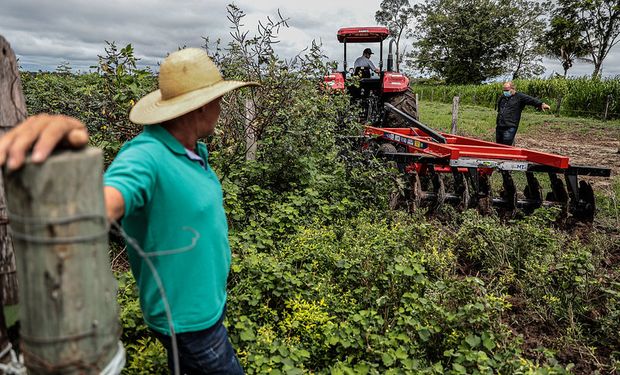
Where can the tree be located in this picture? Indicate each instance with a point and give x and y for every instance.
(600, 23)
(396, 15)
(465, 41)
(564, 40)
(526, 56)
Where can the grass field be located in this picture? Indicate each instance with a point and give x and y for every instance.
(479, 121)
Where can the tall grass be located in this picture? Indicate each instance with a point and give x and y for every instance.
(581, 97)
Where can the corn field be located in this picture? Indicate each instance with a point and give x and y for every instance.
(581, 97)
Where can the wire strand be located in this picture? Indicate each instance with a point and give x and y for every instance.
(147, 258)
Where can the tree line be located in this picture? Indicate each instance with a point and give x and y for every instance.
(471, 41)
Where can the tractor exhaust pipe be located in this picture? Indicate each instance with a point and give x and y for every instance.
(390, 58)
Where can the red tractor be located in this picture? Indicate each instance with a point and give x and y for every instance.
(445, 168)
(372, 91)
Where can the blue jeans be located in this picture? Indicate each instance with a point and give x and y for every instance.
(505, 136)
(203, 352)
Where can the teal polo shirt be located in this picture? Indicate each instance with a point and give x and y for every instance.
(172, 201)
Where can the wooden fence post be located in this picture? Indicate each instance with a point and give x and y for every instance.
(455, 113)
(607, 107)
(12, 111)
(559, 105)
(68, 309)
(250, 131)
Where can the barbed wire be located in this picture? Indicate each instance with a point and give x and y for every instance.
(15, 366)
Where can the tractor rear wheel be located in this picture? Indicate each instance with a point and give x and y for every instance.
(406, 102)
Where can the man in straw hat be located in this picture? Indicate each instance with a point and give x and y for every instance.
(169, 198)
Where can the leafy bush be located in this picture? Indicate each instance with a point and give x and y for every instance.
(325, 278)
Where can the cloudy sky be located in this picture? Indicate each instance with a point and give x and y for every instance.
(45, 33)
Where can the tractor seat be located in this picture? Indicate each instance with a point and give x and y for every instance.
(362, 72)
(371, 83)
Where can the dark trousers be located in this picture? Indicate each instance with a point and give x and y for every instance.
(203, 352)
(505, 136)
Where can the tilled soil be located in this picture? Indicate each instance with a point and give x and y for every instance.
(598, 147)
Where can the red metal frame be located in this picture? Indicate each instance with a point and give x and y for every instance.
(457, 147)
(363, 34)
(334, 81)
(395, 82)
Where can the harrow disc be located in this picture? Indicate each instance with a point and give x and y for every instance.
(484, 201)
(508, 195)
(415, 194)
(439, 192)
(461, 189)
(584, 209)
(532, 193)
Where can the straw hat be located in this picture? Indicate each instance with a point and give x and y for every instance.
(188, 79)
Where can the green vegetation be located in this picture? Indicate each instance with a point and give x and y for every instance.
(326, 278)
(471, 41)
(479, 121)
(579, 97)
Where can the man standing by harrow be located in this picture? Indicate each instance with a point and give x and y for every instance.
(509, 108)
(171, 205)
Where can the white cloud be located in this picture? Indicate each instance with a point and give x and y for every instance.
(45, 33)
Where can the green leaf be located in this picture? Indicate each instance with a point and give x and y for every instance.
(473, 341)
(424, 334)
(387, 359)
(247, 335)
(459, 368)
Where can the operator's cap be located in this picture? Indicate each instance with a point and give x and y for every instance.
(368, 51)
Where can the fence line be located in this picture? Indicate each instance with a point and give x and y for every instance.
(609, 111)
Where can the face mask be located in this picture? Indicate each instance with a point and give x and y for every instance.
(506, 93)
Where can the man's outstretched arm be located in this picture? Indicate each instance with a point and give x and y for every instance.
(539, 104)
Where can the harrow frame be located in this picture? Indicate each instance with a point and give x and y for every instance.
(420, 151)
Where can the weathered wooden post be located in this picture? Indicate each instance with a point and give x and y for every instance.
(455, 114)
(68, 309)
(609, 97)
(250, 132)
(12, 111)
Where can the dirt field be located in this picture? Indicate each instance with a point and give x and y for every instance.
(595, 147)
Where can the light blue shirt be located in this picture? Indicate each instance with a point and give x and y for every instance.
(364, 62)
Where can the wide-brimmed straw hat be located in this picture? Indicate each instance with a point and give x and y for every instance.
(188, 79)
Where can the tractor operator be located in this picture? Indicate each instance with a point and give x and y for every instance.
(159, 183)
(509, 107)
(363, 62)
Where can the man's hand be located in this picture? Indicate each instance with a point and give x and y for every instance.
(545, 107)
(44, 132)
